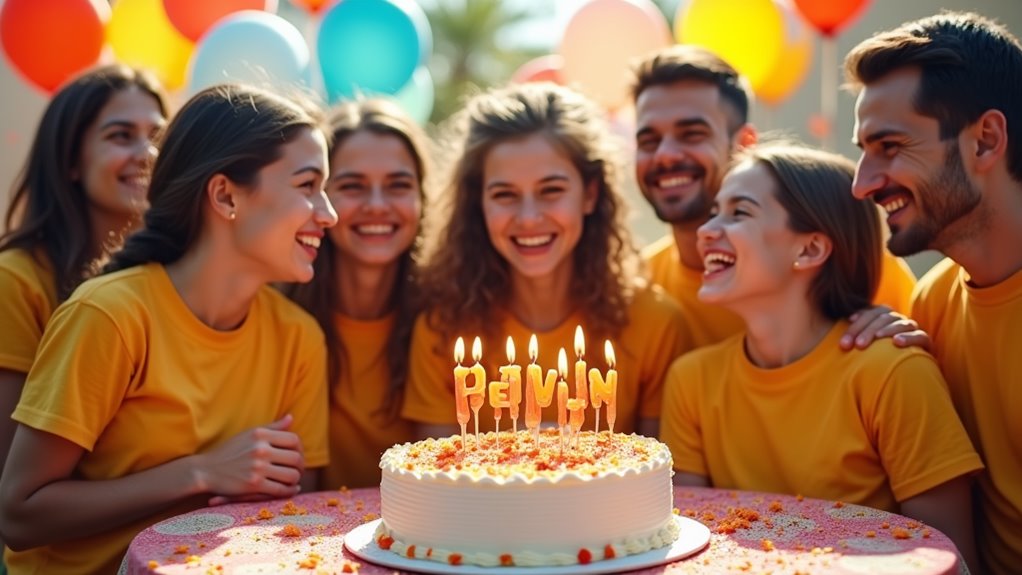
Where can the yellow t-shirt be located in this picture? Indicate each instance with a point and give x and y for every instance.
(872, 427)
(654, 336)
(27, 298)
(360, 429)
(711, 324)
(126, 371)
(977, 338)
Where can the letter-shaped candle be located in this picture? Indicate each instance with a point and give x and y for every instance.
(533, 380)
(460, 399)
(478, 390)
(512, 374)
(608, 351)
(562, 393)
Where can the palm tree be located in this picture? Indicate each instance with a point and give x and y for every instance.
(468, 52)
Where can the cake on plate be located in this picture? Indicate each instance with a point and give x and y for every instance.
(506, 500)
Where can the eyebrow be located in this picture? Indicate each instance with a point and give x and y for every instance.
(740, 198)
(354, 174)
(680, 124)
(546, 180)
(313, 169)
(878, 135)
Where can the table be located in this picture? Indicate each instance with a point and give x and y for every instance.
(751, 533)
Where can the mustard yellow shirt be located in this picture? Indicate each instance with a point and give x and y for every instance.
(27, 298)
(127, 372)
(360, 429)
(872, 427)
(711, 324)
(977, 337)
(654, 336)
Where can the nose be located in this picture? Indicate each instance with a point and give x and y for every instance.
(146, 150)
(323, 212)
(668, 152)
(376, 201)
(709, 231)
(869, 178)
(529, 210)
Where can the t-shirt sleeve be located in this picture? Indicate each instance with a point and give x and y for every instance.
(680, 427)
(81, 375)
(309, 404)
(24, 310)
(429, 395)
(920, 438)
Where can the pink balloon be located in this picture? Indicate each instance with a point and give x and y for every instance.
(543, 69)
(603, 39)
(193, 18)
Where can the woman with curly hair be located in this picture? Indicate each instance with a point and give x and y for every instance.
(364, 294)
(535, 243)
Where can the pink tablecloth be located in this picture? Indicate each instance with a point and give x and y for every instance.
(752, 533)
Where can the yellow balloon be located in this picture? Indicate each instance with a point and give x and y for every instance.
(141, 35)
(795, 60)
(748, 34)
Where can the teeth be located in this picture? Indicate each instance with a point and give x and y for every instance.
(675, 181)
(532, 241)
(140, 181)
(716, 261)
(311, 241)
(894, 205)
(375, 229)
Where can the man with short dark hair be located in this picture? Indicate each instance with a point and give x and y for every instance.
(939, 121)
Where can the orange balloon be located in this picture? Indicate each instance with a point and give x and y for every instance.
(48, 42)
(313, 6)
(830, 15)
(192, 19)
(543, 69)
(794, 61)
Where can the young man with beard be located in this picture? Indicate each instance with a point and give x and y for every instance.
(691, 114)
(939, 121)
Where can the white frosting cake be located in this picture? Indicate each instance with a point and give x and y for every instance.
(509, 502)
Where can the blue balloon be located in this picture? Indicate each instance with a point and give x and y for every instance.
(251, 47)
(372, 46)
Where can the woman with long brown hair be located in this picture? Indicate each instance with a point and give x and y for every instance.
(535, 243)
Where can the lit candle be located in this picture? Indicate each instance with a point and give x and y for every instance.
(512, 374)
(477, 391)
(460, 399)
(608, 351)
(533, 381)
(562, 393)
(498, 399)
(581, 399)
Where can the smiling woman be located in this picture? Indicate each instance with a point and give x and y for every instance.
(534, 243)
(182, 325)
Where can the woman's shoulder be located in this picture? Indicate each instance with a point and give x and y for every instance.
(284, 313)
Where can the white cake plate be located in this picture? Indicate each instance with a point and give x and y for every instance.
(692, 537)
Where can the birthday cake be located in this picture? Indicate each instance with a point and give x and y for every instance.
(507, 501)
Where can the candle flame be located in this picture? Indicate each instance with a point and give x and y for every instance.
(477, 349)
(510, 350)
(580, 342)
(562, 363)
(459, 351)
(533, 349)
(608, 351)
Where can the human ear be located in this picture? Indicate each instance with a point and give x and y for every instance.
(592, 194)
(989, 135)
(220, 193)
(814, 252)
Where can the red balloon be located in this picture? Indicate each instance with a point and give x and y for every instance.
(313, 6)
(192, 18)
(48, 42)
(542, 69)
(830, 15)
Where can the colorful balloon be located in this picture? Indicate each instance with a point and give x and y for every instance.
(252, 47)
(372, 46)
(828, 16)
(602, 39)
(192, 19)
(749, 34)
(141, 35)
(416, 98)
(547, 68)
(312, 6)
(48, 42)
(794, 61)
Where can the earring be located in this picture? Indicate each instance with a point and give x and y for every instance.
(795, 265)
(232, 215)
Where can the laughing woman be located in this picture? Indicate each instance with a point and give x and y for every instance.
(180, 377)
(364, 293)
(535, 243)
(780, 408)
